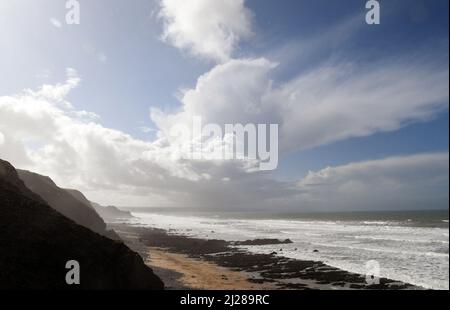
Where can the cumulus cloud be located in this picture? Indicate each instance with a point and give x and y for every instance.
(329, 103)
(41, 134)
(58, 93)
(204, 28)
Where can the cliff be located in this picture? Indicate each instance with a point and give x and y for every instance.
(36, 241)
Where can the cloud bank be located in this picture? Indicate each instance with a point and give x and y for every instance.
(407, 182)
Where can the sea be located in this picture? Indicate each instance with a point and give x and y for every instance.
(409, 246)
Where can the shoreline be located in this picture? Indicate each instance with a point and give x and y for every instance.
(192, 263)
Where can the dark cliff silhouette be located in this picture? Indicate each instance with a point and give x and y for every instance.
(111, 213)
(69, 203)
(36, 241)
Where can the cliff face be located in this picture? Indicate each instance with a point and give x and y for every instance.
(111, 213)
(79, 196)
(36, 242)
(63, 201)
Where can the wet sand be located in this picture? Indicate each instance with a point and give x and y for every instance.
(181, 271)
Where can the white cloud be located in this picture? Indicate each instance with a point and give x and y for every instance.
(330, 103)
(337, 102)
(86, 115)
(2, 138)
(406, 182)
(232, 92)
(57, 93)
(51, 138)
(205, 28)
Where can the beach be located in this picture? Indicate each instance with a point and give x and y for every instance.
(192, 263)
(179, 271)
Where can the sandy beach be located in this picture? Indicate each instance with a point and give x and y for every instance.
(179, 271)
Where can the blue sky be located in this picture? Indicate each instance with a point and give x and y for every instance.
(126, 68)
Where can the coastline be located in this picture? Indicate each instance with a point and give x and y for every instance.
(191, 263)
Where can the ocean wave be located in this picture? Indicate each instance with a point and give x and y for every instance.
(378, 222)
(383, 250)
(401, 239)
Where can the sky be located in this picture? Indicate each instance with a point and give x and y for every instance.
(362, 109)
